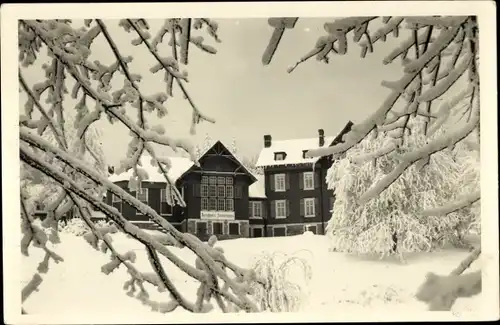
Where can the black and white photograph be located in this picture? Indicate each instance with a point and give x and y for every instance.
(263, 162)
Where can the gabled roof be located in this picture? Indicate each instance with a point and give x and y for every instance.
(206, 151)
(294, 149)
(178, 166)
(258, 190)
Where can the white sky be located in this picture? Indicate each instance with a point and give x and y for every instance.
(248, 99)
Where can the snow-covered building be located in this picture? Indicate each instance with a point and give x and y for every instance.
(297, 197)
(216, 194)
(257, 207)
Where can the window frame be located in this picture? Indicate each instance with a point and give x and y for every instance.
(229, 228)
(232, 204)
(146, 201)
(276, 204)
(280, 227)
(305, 178)
(312, 202)
(254, 204)
(277, 177)
(204, 199)
(221, 227)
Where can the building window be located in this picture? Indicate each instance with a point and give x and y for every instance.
(142, 195)
(116, 202)
(221, 191)
(165, 198)
(221, 206)
(311, 228)
(212, 204)
(204, 190)
(217, 193)
(229, 205)
(279, 183)
(234, 228)
(308, 181)
(257, 232)
(256, 210)
(115, 198)
(212, 191)
(229, 191)
(280, 209)
(204, 203)
(279, 231)
(309, 205)
(279, 156)
(217, 228)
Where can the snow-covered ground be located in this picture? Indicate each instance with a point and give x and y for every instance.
(339, 284)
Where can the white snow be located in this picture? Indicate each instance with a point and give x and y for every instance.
(179, 165)
(293, 149)
(258, 189)
(340, 283)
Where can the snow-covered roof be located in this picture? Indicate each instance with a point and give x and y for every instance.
(294, 151)
(258, 189)
(206, 150)
(179, 165)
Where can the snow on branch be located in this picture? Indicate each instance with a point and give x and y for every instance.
(197, 114)
(279, 25)
(447, 140)
(206, 255)
(453, 206)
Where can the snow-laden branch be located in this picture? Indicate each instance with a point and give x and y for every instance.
(447, 140)
(325, 44)
(197, 114)
(453, 206)
(206, 255)
(360, 159)
(412, 70)
(279, 25)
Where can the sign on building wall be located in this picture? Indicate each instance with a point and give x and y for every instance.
(217, 215)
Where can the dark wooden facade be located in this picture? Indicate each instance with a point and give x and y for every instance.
(217, 197)
(215, 193)
(295, 207)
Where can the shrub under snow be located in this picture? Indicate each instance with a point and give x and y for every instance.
(392, 222)
(280, 289)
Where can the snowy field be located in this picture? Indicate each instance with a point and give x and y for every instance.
(339, 282)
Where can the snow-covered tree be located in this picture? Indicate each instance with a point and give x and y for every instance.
(205, 145)
(78, 83)
(439, 60)
(392, 222)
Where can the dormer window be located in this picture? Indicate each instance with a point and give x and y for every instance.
(279, 156)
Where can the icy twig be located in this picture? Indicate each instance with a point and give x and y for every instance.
(118, 219)
(410, 158)
(196, 111)
(453, 206)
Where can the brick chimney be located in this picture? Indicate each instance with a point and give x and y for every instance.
(267, 141)
(321, 137)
